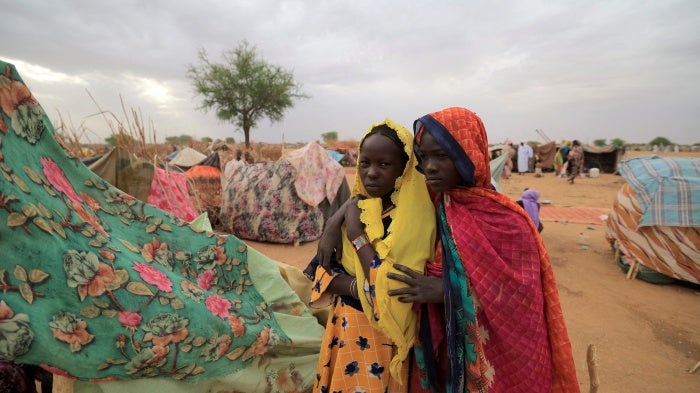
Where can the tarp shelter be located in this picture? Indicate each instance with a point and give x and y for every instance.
(284, 201)
(204, 186)
(187, 157)
(496, 150)
(335, 154)
(125, 171)
(604, 158)
(139, 178)
(655, 219)
(115, 294)
(349, 158)
(546, 153)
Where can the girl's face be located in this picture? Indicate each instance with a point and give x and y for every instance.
(380, 165)
(439, 170)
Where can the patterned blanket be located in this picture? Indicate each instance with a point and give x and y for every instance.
(667, 188)
(260, 203)
(99, 286)
(671, 250)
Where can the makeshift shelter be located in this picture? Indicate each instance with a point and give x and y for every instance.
(125, 171)
(205, 189)
(139, 178)
(349, 155)
(655, 219)
(545, 153)
(604, 158)
(118, 295)
(224, 151)
(187, 157)
(284, 201)
(338, 156)
(496, 150)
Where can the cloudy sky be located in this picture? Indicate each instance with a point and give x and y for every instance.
(575, 69)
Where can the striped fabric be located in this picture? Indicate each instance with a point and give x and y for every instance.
(671, 250)
(667, 189)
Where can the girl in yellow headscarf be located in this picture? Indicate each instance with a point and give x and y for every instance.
(389, 219)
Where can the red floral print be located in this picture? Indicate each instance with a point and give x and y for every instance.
(205, 278)
(129, 318)
(58, 179)
(218, 306)
(154, 276)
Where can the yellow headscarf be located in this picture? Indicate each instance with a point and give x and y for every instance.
(410, 242)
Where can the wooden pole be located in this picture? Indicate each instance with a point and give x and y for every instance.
(695, 368)
(636, 269)
(592, 361)
(632, 273)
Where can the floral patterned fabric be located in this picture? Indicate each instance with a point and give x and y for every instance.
(354, 355)
(169, 192)
(260, 203)
(99, 286)
(318, 175)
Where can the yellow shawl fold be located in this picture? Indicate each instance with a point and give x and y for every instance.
(410, 242)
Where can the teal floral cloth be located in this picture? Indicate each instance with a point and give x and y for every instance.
(98, 286)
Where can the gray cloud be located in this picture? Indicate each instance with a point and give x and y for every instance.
(576, 69)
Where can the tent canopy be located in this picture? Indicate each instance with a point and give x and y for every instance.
(187, 157)
(546, 153)
(604, 158)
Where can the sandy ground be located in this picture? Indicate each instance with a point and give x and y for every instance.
(646, 336)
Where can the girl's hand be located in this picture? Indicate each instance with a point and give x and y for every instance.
(353, 225)
(331, 239)
(420, 289)
(329, 244)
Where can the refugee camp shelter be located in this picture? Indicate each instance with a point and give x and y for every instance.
(124, 170)
(349, 154)
(545, 153)
(187, 157)
(604, 158)
(284, 201)
(655, 219)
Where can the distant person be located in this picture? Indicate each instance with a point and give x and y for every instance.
(524, 154)
(564, 150)
(530, 201)
(508, 168)
(249, 158)
(532, 162)
(575, 160)
(231, 166)
(558, 162)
